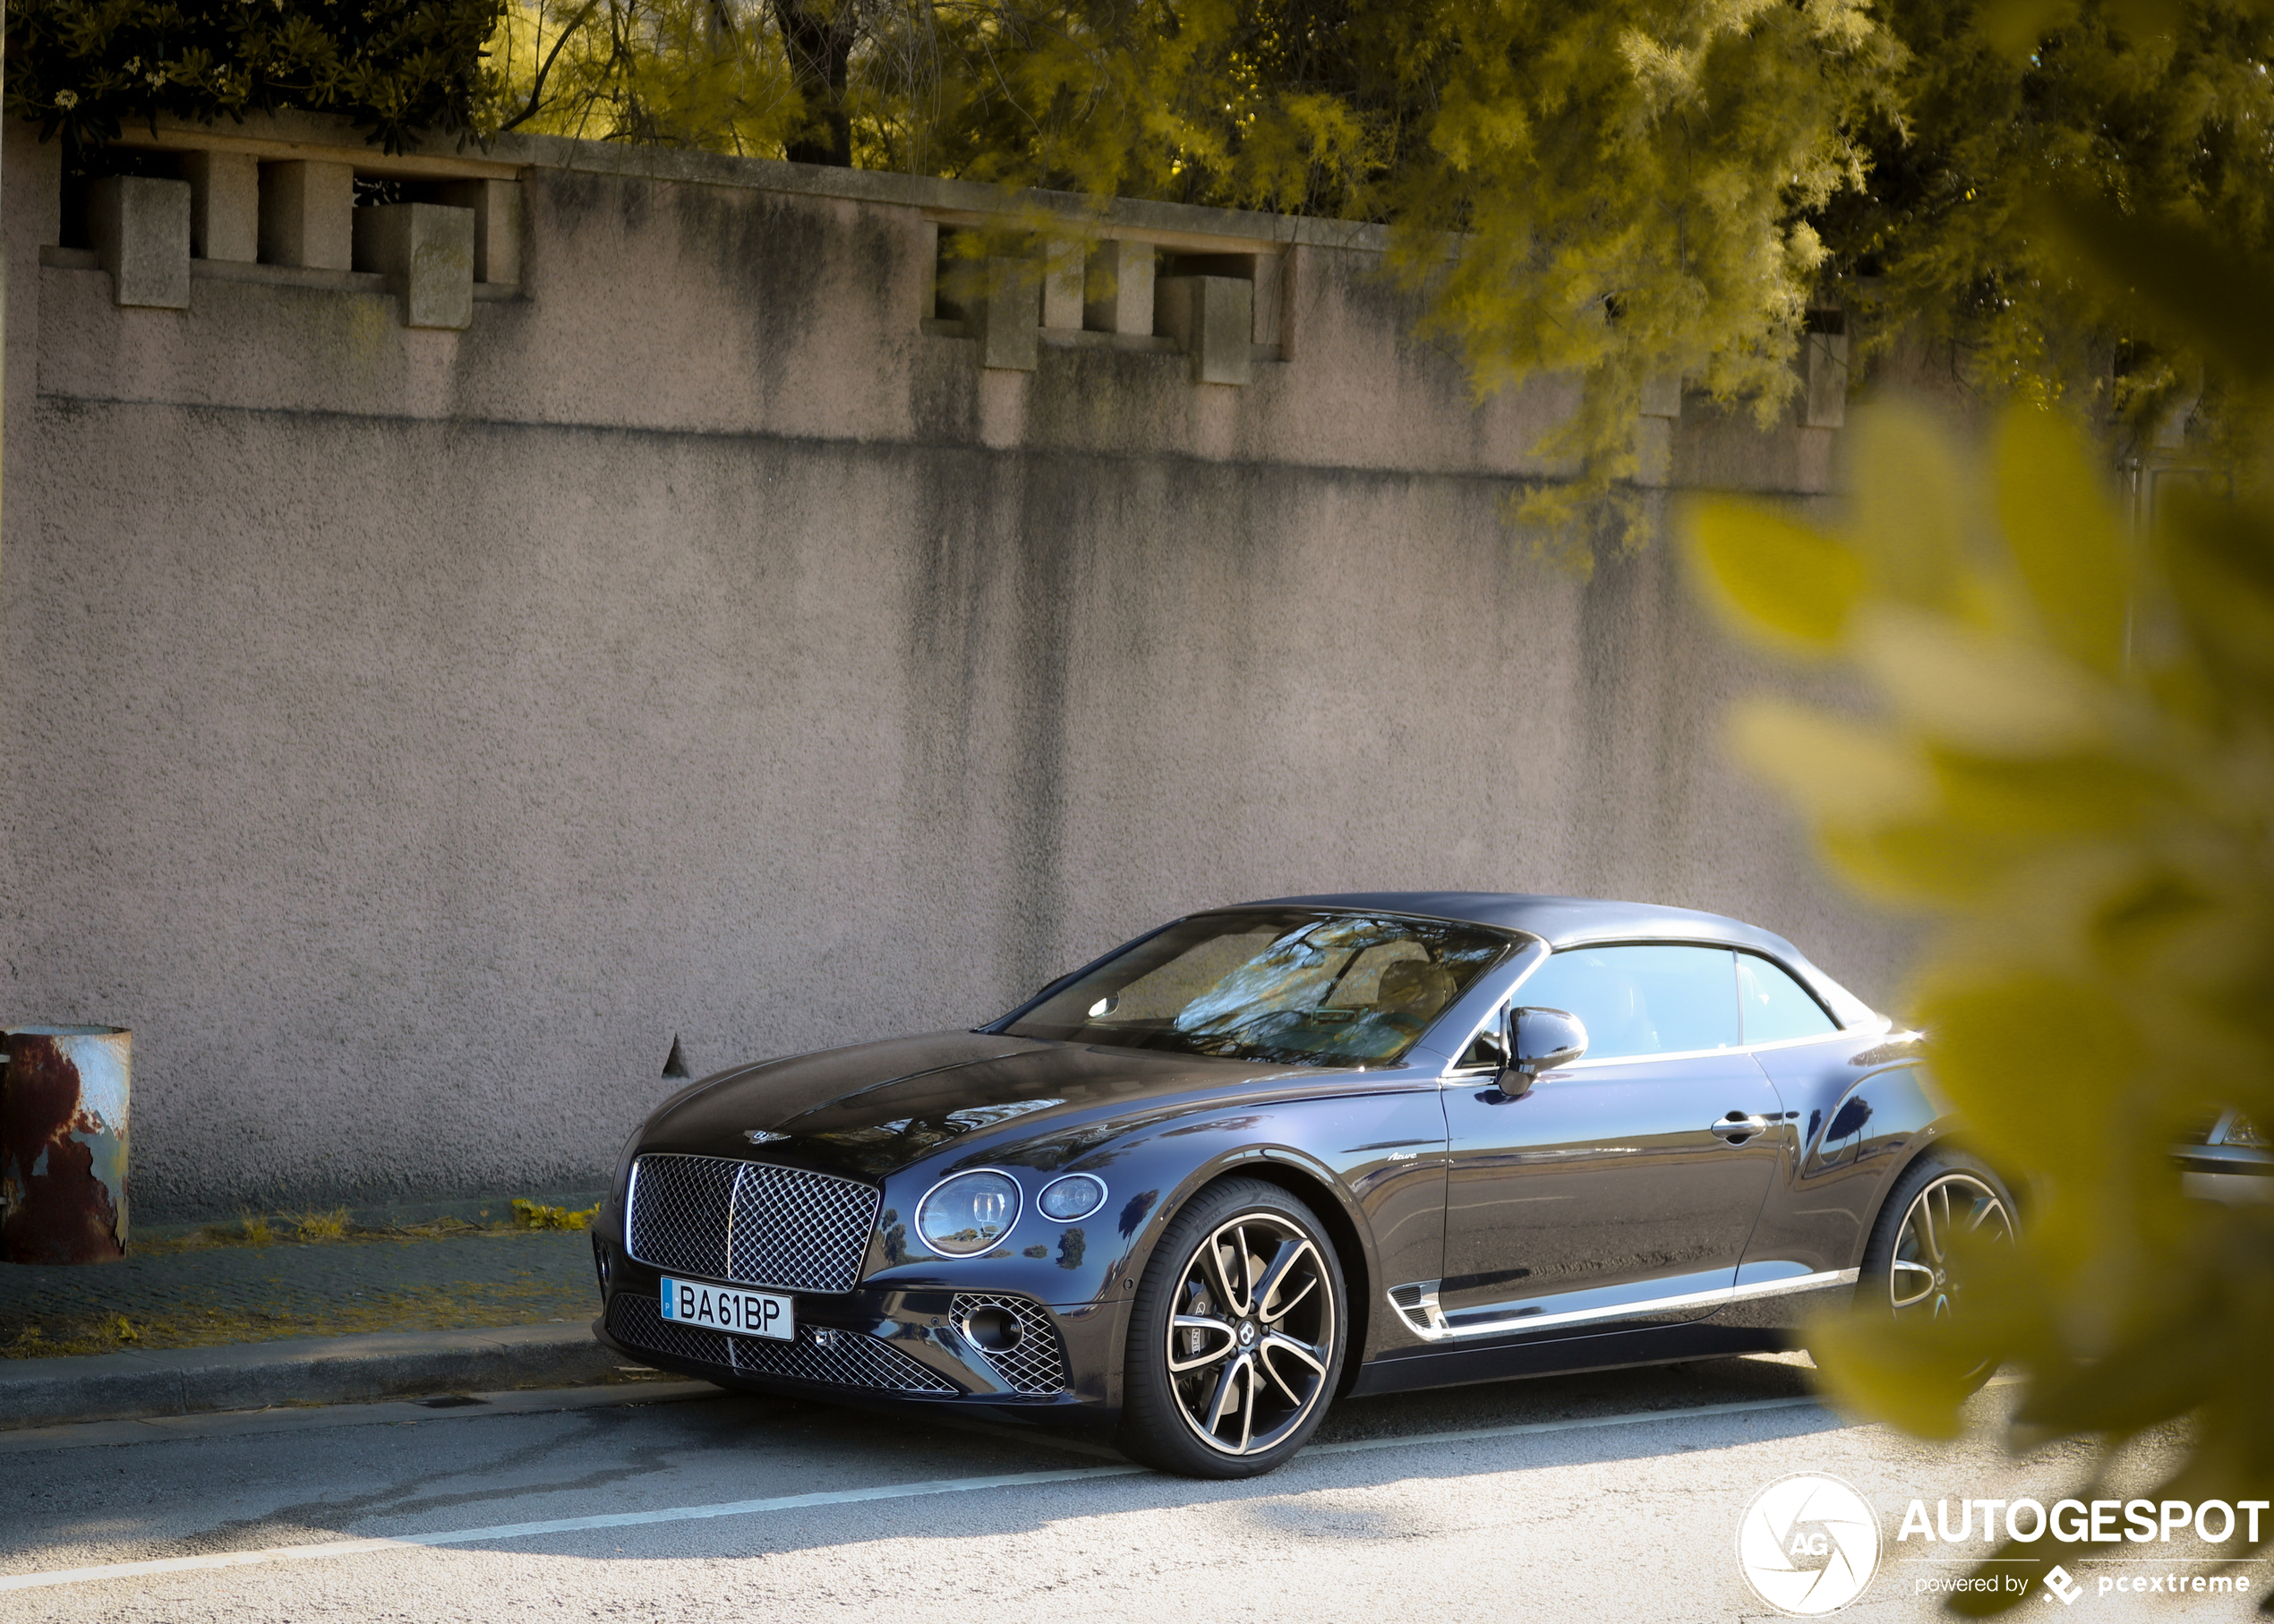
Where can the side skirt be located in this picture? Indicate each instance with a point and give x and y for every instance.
(1441, 1366)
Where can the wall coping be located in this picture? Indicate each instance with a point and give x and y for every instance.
(1186, 227)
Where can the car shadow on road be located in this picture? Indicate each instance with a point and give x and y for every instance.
(1381, 1441)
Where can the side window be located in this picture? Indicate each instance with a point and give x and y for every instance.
(1642, 1000)
(1776, 1006)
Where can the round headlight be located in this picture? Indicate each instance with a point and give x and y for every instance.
(1075, 1196)
(968, 1213)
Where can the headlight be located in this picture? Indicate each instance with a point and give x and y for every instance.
(968, 1213)
(1075, 1196)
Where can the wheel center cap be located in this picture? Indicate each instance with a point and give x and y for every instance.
(1247, 1333)
(1940, 1280)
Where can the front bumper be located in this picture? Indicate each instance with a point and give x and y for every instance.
(887, 1346)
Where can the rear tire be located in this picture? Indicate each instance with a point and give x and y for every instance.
(1908, 1271)
(1237, 1336)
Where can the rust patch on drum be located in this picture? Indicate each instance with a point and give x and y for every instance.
(63, 1146)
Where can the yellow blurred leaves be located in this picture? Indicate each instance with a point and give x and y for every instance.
(2070, 768)
(1783, 581)
(2065, 538)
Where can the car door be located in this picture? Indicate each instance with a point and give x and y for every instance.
(1620, 1190)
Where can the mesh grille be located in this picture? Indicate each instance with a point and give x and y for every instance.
(638, 1321)
(853, 1361)
(802, 1230)
(750, 1223)
(1032, 1365)
(678, 1213)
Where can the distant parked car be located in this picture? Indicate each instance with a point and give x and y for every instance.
(2230, 1160)
(1272, 1154)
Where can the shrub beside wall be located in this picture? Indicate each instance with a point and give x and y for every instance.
(83, 69)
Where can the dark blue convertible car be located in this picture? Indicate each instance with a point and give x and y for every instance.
(1270, 1154)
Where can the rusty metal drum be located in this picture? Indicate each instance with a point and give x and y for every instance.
(63, 1143)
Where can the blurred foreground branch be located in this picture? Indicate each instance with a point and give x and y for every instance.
(2072, 772)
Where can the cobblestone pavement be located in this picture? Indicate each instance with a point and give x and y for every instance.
(172, 1295)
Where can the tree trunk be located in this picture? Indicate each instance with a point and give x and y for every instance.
(819, 36)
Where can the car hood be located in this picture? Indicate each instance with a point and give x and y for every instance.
(873, 1108)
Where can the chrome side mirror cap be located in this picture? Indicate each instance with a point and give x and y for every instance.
(1540, 1040)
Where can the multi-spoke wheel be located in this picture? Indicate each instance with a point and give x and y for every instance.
(1236, 1339)
(1922, 1282)
(1944, 1205)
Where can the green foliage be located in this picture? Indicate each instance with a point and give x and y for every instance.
(659, 72)
(332, 1225)
(1610, 194)
(530, 1215)
(2165, 108)
(398, 67)
(2072, 774)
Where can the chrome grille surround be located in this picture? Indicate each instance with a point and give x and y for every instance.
(848, 1359)
(1033, 1364)
(751, 1223)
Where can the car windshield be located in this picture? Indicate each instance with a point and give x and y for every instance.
(1280, 985)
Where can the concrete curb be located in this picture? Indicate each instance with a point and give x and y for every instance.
(327, 1370)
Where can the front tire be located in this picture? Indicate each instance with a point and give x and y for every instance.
(1237, 1336)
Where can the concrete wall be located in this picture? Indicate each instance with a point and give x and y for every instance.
(409, 733)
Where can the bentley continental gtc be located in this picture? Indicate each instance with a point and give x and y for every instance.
(1271, 1155)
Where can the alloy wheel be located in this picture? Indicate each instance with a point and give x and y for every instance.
(1251, 1334)
(1921, 1283)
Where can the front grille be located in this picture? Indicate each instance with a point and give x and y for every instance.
(849, 1360)
(640, 1322)
(750, 1222)
(1032, 1365)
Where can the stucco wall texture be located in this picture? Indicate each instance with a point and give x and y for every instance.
(410, 733)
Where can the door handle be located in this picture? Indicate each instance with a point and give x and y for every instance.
(1736, 1128)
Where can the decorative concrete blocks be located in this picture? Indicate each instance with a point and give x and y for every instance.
(225, 205)
(1063, 266)
(1117, 288)
(1827, 363)
(1211, 318)
(307, 215)
(140, 227)
(1007, 306)
(425, 251)
(497, 226)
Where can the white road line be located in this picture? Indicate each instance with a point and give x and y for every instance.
(835, 1497)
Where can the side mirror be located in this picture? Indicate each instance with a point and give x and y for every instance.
(1540, 1040)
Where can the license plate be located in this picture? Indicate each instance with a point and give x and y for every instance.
(746, 1313)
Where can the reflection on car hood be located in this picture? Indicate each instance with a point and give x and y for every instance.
(873, 1108)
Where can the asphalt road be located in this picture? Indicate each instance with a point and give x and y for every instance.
(1598, 1497)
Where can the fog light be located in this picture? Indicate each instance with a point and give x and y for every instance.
(995, 1329)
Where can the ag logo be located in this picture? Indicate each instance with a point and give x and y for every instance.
(1807, 1544)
